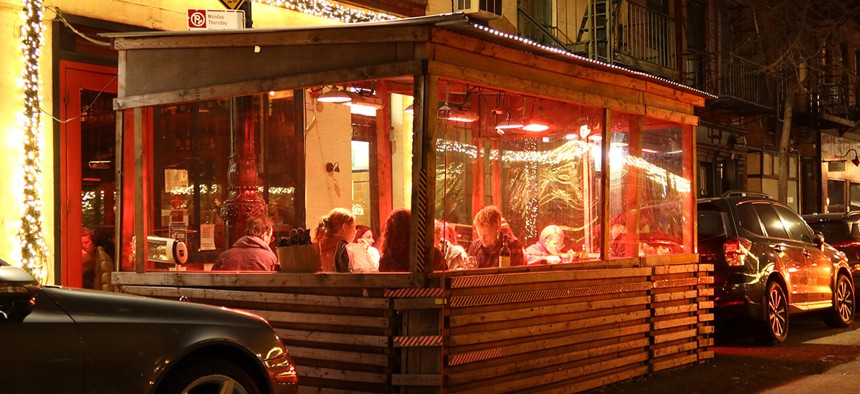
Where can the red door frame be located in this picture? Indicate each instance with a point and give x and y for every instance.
(74, 77)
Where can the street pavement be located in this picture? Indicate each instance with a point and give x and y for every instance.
(814, 359)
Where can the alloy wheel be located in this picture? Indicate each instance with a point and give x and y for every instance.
(777, 313)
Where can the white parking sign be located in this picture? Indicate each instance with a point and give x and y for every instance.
(215, 19)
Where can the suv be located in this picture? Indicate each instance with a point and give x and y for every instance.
(842, 231)
(768, 263)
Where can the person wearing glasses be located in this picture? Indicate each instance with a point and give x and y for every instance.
(251, 252)
(547, 250)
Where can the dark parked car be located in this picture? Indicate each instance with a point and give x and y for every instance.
(56, 339)
(769, 264)
(842, 231)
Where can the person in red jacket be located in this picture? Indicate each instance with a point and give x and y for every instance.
(485, 249)
(251, 252)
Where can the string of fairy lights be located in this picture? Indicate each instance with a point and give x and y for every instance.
(34, 251)
(329, 10)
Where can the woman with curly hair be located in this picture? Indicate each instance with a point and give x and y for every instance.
(395, 244)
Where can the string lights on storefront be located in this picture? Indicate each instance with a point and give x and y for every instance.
(33, 248)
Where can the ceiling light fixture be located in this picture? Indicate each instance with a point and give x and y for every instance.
(535, 125)
(334, 95)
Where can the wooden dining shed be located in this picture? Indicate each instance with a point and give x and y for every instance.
(601, 317)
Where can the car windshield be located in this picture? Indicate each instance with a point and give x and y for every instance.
(710, 224)
(834, 231)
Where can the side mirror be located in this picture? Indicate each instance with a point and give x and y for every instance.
(818, 239)
(17, 293)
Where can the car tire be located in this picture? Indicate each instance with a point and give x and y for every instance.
(842, 313)
(775, 305)
(209, 376)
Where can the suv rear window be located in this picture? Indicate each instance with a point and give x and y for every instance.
(748, 219)
(710, 224)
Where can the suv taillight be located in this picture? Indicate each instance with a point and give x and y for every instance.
(735, 250)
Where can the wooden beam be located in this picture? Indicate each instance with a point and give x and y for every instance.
(571, 65)
(269, 84)
(272, 37)
(276, 280)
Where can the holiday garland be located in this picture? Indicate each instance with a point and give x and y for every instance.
(33, 248)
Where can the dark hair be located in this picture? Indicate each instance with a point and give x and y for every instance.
(395, 235)
(489, 216)
(258, 225)
(360, 229)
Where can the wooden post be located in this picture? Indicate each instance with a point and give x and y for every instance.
(605, 213)
(139, 213)
(688, 141)
(119, 204)
(423, 173)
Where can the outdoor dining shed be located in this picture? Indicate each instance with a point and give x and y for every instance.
(441, 116)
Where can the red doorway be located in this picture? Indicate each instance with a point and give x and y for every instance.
(87, 177)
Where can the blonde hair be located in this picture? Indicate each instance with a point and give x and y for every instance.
(550, 231)
(330, 224)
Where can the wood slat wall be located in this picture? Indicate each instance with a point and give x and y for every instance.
(575, 330)
(552, 329)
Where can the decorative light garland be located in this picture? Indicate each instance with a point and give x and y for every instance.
(34, 251)
(330, 10)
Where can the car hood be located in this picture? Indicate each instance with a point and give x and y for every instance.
(99, 306)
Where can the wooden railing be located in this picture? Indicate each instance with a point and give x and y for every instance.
(566, 328)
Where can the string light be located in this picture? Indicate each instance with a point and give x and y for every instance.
(34, 251)
(328, 9)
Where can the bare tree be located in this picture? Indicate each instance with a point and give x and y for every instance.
(790, 39)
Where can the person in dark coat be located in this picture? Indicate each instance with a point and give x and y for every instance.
(251, 252)
(485, 249)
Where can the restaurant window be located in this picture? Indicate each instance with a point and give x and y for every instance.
(649, 192)
(536, 160)
(191, 165)
(303, 157)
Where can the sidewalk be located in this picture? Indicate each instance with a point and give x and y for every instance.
(815, 359)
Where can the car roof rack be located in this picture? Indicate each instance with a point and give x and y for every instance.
(741, 193)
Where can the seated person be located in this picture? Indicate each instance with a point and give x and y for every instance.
(485, 249)
(333, 234)
(365, 257)
(251, 252)
(445, 239)
(395, 244)
(547, 250)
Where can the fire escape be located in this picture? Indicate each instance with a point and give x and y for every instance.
(614, 31)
